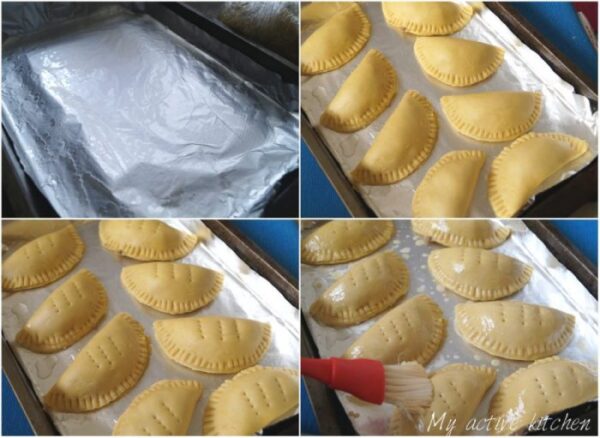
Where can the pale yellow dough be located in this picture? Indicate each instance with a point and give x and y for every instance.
(545, 387)
(213, 344)
(165, 408)
(67, 315)
(457, 62)
(448, 186)
(403, 144)
(427, 18)
(319, 12)
(43, 260)
(414, 330)
(458, 232)
(341, 241)
(363, 96)
(26, 230)
(527, 166)
(368, 288)
(251, 400)
(478, 274)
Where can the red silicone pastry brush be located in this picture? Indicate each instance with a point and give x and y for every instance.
(405, 385)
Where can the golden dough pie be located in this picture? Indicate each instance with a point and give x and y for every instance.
(108, 367)
(213, 344)
(527, 165)
(342, 241)
(251, 400)
(403, 144)
(145, 240)
(43, 260)
(30, 229)
(363, 96)
(67, 315)
(457, 62)
(448, 186)
(318, 12)
(493, 116)
(336, 42)
(165, 408)
(478, 274)
(414, 330)
(172, 287)
(427, 18)
(458, 232)
(545, 387)
(368, 288)
(514, 330)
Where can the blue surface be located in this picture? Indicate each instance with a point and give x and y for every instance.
(13, 418)
(581, 233)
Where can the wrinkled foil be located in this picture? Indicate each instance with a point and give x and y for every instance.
(114, 115)
(551, 285)
(245, 294)
(523, 69)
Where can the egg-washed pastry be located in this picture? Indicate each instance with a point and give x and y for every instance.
(68, 314)
(545, 387)
(172, 288)
(145, 239)
(336, 42)
(43, 260)
(462, 232)
(108, 367)
(342, 241)
(252, 400)
(403, 144)
(414, 330)
(457, 62)
(448, 186)
(493, 116)
(25, 230)
(478, 274)
(165, 408)
(527, 165)
(363, 96)
(368, 288)
(427, 18)
(213, 344)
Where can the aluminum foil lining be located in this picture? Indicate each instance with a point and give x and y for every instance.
(551, 285)
(523, 69)
(113, 114)
(245, 294)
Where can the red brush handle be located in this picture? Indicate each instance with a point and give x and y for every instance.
(363, 378)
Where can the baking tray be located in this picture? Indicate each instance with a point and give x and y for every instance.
(562, 200)
(331, 416)
(252, 255)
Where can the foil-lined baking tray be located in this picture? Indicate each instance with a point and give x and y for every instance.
(551, 285)
(112, 114)
(522, 69)
(245, 294)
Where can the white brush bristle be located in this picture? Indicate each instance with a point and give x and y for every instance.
(407, 386)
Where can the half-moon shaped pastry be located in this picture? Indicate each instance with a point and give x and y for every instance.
(166, 408)
(514, 330)
(251, 400)
(341, 241)
(172, 287)
(448, 186)
(478, 274)
(318, 12)
(336, 42)
(67, 315)
(403, 144)
(43, 260)
(427, 18)
(457, 232)
(26, 230)
(363, 96)
(494, 116)
(213, 344)
(545, 387)
(414, 330)
(145, 240)
(108, 367)
(457, 62)
(368, 288)
(527, 165)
